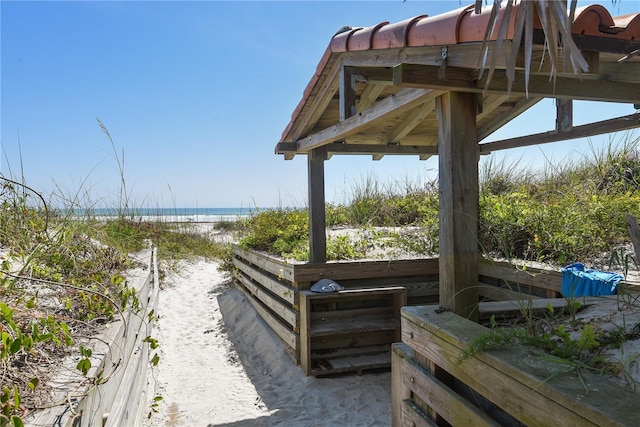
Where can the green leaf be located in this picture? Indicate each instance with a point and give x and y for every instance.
(16, 397)
(33, 383)
(84, 365)
(16, 345)
(155, 360)
(16, 421)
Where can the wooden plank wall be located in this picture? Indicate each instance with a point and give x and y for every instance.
(514, 386)
(273, 286)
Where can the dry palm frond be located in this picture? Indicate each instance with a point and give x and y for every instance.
(556, 17)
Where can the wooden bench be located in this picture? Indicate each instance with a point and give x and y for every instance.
(350, 330)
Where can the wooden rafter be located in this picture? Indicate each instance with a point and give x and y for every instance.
(369, 96)
(414, 118)
(320, 101)
(519, 107)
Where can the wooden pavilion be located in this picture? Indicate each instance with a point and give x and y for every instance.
(414, 88)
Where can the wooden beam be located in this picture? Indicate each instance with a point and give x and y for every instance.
(459, 198)
(585, 87)
(373, 149)
(458, 55)
(317, 214)
(584, 131)
(403, 100)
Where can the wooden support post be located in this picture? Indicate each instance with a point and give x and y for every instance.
(317, 223)
(459, 198)
(347, 93)
(564, 115)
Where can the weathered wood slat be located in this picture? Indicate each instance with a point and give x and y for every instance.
(289, 337)
(497, 293)
(364, 270)
(321, 329)
(399, 391)
(121, 356)
(520, 306)
(284, 312)
(330, 342)
(413, 416)
(355, 363)
(535, 277)
(349, 315)
(279, 289)
(268, 263)
(451, 406)
(523, 383)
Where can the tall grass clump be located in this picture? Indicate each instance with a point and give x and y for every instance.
(285, 231)
(575, 211)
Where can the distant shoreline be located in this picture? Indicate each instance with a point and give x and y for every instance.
(173, 215)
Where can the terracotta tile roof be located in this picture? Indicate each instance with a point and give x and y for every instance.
(455, 27)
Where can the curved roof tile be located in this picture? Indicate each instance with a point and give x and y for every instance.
(631, 25)
(593, 20)
(438, 30)
(340, 42)
(472, 26)
(394, 35)
(464, 26)
(363, 39)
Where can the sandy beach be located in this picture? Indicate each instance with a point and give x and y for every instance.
(220, 365)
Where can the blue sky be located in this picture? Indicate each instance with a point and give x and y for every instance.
(196, 95)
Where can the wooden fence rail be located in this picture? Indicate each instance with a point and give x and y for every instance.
(122, 357)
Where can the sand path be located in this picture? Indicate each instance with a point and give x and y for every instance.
(221, 366)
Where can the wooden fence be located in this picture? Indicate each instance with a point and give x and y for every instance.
(122, 357)
(275, 288)
(514, 387)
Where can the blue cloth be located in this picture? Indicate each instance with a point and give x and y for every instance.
(578, 281)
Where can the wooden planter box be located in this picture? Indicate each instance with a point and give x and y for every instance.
(512, 386)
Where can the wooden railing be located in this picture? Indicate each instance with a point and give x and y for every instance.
(515, 386)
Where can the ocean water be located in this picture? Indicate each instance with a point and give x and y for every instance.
(173, 214)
